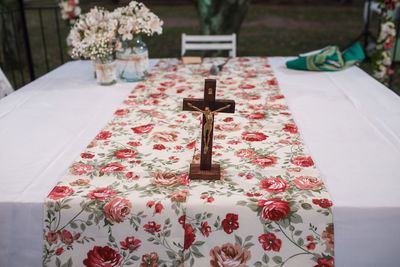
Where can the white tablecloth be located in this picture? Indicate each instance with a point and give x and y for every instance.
(350, 123)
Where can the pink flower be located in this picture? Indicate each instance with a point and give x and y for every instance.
(117, 209)
(264, 161)
(87, 155)
(244, 153)
(130, 243)
(102, 193)
(112, 167)
(66, 237)
(246, 86)
(274, 209)
(276, 185)
(323, 203)
(253, 136)
(103, 135)
(144, 129)
(255, 116)
(125, 154)
(307, 183)
(325, 262)
(189, 236)
(80, 168)
(158, 208)
(51, 237)
(303, 161)
(158, 147)
(205, 229)
(270, 242)
(59, 251)
(121, 112)
(291, 128)
(310, 246)
(59, 192)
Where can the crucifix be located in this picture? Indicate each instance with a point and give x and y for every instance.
(208, 106)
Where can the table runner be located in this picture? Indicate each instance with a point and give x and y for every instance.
(127, 200)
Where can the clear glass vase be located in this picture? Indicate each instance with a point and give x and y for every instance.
(133, 60)
(106, 70)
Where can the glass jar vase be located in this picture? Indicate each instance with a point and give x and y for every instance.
(133, 60)
(105, 70)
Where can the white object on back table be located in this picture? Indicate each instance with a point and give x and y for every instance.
(349, 122)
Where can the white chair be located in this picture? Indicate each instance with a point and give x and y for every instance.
(209, 42)
(5, 86)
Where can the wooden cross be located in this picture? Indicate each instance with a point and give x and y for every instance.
(208, 106)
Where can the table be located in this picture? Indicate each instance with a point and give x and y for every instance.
(311, 104)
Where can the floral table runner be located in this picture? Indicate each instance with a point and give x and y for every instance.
(127, 200)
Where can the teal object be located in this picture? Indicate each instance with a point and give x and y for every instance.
(329, 59)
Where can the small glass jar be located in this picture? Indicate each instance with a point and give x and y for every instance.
(106, 70)
(133, 60)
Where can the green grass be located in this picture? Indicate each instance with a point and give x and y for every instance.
(268, 30)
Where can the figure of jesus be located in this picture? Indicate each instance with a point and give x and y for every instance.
(208, 124)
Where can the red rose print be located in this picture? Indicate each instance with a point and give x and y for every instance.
(264, 161)
(230, 223)
(51, 237)
(158, 208)
(189, 236)
(257, 107)
(210, 199)
(80, 168)
(134, 143)
(323, 203)
(270, 242)
(159, 95)
(277, 106)
(59, 251)
(274, 209)
(191, 145)
(272, 82)
(229, 255)
(255, 116)
(130, 243)
(79, 182)
(228, 119)
(303, 161)
(291, 128)
(103, 135)
(87, 155)
(121, 112)
(307, 183)
(244, 153)
(325, 262)
(152, 227)
(205, 229)
(159, 147)
(66, 237)
(167, 84)
(274, 185)
(253, 136)
(143, 129)
(59, 192)
(150, 204)
(102, 257)
(275, 97)
(182, 219)
(112, 167)
(151, 102)
(310, 238)
(246, 86)
(117, 209)
(149, 260)
(125, 154)
(102, 193)
(252, 97)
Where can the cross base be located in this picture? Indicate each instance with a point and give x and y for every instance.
(196, 174)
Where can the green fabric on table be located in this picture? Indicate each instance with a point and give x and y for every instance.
(329, 59)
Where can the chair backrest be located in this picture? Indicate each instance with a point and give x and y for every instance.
(5, 86)
(209, 42)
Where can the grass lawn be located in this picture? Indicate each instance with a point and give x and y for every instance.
(268, 30)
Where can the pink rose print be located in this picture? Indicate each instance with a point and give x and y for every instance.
(230, 223)
(152, 227)
(59, 251)
(191, 145)
(165, 136)
(253, 136)
(257, 107)
(270, 242)
(189, 236)
(274, 185)
(229, 255)
(276, 97)
(102, 193)
(244, 153)
(303, 161)
(130, 243)
(59, 192)
(328, 236)
(102, 257)
(103, 135)
(125, 154)
(255, 116)
(80, 168)
(264, 161)
(117, 209)
(158, 147)
(79, 182)
(323, 203)
(308, 183)
(165, 179)
(205, 229)
(149, 260)
(134, 143)
(291, 128)
(277, 106)
(179, 196)
(310, 246)
(66, 237)
(51, 237)
(246, 86)
(144, 129)
(274, 209)
(87, 155)
(121, 112)
(112, 167)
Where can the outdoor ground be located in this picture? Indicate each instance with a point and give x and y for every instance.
(268, 30)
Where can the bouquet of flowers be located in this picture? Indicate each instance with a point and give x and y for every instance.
(135, 19)
(94, 35)
(70, 10)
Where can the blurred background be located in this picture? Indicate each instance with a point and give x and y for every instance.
(269, 28)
